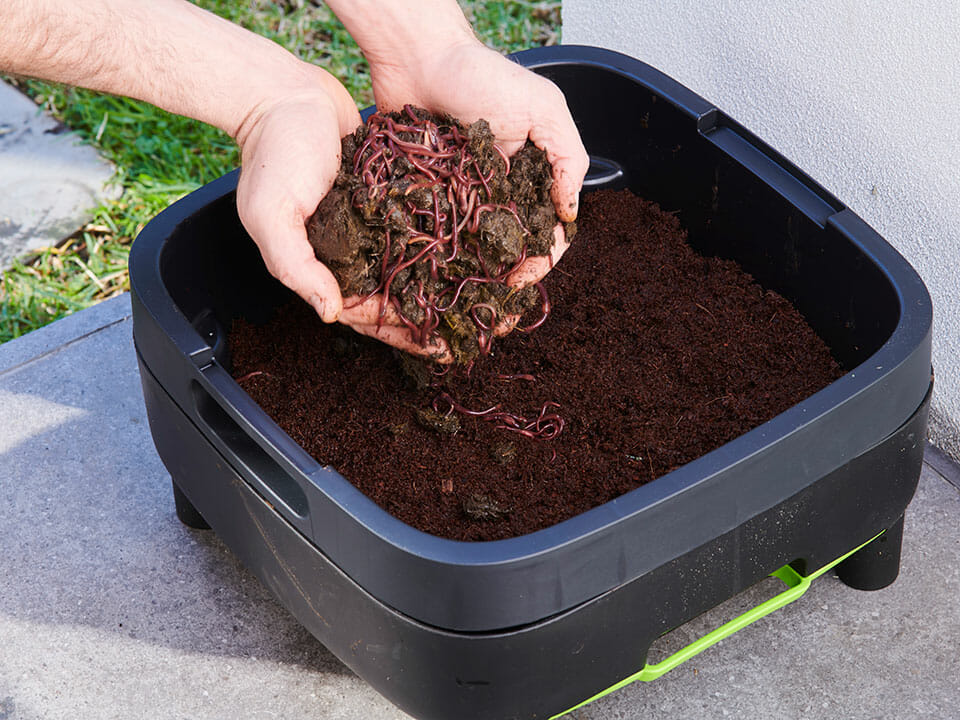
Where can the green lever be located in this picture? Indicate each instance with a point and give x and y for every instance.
(797, 585)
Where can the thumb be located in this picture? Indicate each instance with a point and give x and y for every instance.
(283, 177)
(290, 259)
(288, 255)
(568, 174)
(557, 134)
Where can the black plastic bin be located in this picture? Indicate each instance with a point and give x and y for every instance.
(529, 627)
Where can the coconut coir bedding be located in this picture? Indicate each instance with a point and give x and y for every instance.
(653, 353)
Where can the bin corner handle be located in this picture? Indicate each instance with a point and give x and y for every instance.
(797, 585)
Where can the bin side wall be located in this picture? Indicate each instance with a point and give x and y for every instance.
(862, 97)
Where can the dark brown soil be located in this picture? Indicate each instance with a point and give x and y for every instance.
(654, 354)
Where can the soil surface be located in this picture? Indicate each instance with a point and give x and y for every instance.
(433, 216)
(653, 354)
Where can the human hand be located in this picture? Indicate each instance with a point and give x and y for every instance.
(369, 316)
(469, 81)
(290, 147)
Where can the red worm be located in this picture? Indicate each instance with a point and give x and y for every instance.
(254, 373)
(454, 236)
(546, 426)
(502, 154)
(476, 319)
(502, 277)
(484, 181)
(454, 405)
(402, 266)
(456, 294)
(416, 148)
(546, 310)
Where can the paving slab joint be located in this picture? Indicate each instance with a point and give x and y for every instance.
(943, 464)
(62, 333)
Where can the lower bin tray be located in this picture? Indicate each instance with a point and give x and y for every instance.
(547, 667)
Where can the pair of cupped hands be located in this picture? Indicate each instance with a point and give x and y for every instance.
(290, 149)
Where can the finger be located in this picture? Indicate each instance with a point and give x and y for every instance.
(560, 139)
(317, 285)
(358, 310)
(436, 348)
(307, 277)
(568, 175)
(273, 201)
(535, 268)
(510, 147)
(506, 325)
(363, 315)
(290, 258)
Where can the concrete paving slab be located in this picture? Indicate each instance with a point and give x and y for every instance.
(54, 336)
(109, 608)
(49, 181)
(943, 464)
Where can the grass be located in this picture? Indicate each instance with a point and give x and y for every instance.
(160, 157)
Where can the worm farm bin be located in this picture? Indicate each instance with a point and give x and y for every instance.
(532, 626)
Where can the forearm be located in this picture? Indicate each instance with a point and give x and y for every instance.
(384, 27)
(167, 52)
(402, 39)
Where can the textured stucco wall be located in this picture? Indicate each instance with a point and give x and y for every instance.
(865, 97)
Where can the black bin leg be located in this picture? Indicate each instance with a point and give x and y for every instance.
(876, 565)
(186, 511)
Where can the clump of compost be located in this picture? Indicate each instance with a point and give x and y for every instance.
(433, 215)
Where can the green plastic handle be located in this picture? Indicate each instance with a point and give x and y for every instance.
(797, 585)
